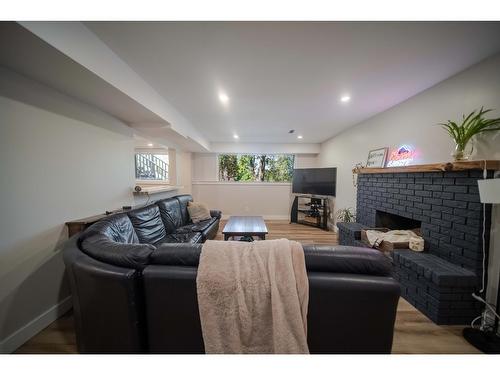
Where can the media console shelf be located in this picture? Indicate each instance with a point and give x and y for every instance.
(310, 210)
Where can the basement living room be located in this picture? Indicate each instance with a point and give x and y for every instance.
(216, 187)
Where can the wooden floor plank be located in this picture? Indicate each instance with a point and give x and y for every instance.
(414, 333)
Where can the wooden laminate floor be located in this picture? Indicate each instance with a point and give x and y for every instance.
(414, 333)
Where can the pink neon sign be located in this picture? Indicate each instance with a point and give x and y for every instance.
(402, 156)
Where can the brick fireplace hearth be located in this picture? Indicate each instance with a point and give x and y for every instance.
(446, 206)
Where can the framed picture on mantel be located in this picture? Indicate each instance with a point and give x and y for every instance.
(376, 158)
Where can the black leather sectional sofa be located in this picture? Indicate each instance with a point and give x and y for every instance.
(133, 283)
(128, 239)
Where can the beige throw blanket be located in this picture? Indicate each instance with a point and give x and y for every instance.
(253, 297)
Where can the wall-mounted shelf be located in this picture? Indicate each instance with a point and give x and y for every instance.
(154, 189)
(437, 167)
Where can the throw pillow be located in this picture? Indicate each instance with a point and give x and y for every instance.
(198, 212)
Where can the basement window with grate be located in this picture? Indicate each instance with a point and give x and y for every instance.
(151, 167)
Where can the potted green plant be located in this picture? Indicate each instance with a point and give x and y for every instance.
(471, 125)
(346, 215)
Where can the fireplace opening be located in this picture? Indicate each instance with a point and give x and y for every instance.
(392, 221)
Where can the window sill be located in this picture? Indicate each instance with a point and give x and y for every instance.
(156, 188)
(243, 183)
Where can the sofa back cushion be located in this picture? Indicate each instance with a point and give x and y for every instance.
(183, 201)
(319, 258)
(347, 259)
(177, 254)
(117, 228)
(148, 224)
(128, 255)
(170, 211)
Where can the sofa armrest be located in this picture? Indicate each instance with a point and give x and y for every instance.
(216, 213)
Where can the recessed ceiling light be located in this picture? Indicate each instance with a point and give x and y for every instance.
(299, 137)
(224, 99)
(345, 98)
(235, 136)
(150, 144)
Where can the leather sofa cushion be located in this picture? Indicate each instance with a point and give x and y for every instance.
(211, 232)
(319, 258)
(148, 224)
(216, 213)
(170, 211)
(117, 228)
(196, 227)
(128, 255)
(347, 259)
(188, 238)
(183, 201)
(180, 254)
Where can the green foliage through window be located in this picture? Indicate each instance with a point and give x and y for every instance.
(256, 167)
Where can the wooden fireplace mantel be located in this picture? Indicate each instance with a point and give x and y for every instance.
(437, 167)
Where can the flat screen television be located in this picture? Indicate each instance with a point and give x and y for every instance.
(315, 181)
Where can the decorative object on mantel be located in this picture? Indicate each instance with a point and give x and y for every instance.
(464, 133)
(402, 156)
(346, 215)
(437, 167)
(376, 158)
(355, 170)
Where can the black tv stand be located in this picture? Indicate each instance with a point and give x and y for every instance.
(311, 210)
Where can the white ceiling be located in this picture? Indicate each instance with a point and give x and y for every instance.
(290, 75)
(27, 54)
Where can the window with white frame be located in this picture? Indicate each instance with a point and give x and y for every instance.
(151, 166)
(256, 167)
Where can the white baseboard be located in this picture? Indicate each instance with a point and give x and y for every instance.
(266, 217)
(23, 334)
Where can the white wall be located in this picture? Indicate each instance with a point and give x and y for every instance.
(271, 200)
(184, 171)
(306, 161)
(60, 160)
(413, 122)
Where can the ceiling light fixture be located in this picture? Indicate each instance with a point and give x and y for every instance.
(150, 144)
(345, 98)
(224, 99)
(299, 137)
(236, 136)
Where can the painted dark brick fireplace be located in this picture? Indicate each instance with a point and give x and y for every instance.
(446, 207)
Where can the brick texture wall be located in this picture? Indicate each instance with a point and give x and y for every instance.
(440, 281)
(446, 203)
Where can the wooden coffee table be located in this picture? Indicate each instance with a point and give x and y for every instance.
(245, 226)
